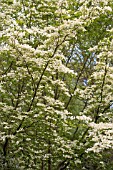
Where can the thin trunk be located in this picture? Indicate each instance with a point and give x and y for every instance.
(49, 159)
(5, 150)
(42, 165)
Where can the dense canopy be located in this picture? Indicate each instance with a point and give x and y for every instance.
(56, 84)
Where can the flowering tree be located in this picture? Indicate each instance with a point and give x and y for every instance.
(56, 83)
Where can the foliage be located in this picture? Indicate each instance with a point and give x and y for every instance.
(56, 81)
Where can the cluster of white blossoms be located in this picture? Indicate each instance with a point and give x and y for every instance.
(47, 112)
(102, 136)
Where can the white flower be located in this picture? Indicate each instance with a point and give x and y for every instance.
(108, 8)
